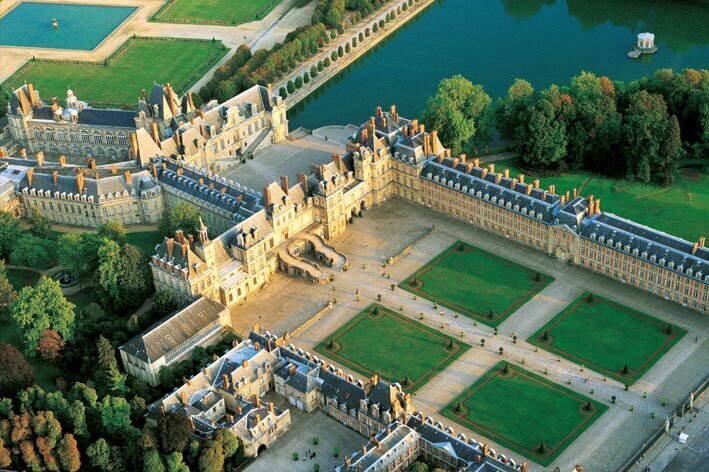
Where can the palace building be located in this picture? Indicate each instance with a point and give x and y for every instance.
(213, 137)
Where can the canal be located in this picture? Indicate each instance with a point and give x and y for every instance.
(492, 42)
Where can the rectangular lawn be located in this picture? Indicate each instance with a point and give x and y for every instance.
(136, 65)
(218, 12)
(607, 336)
(380, 341)
(476, 283)
(522, 411)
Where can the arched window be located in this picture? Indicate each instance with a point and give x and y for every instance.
(88, 151)
(37, 134)
(122, 140)
(97, 137)
(124, 153)
(73, 137)
(61, 135)
(100, 152)
(112, 153)
(76, 150)
(53, 149)
(49, 133)
(109, 139)
(64, 148)
(85, 137)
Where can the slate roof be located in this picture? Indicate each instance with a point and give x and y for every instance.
(107, 182)
(669, 252)
(507, 190)
(239, 201)
(174, 329)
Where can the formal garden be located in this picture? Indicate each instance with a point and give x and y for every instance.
(402, 350)
(118, 81)
(476, 283)
(508, 404)
(215, 12)
(608, 337)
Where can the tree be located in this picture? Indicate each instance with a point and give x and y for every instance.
(174, 431)
(644, 130)
(40, 226)
(16, 374)
(173, 463)
(43, 307)
(50, 345)
(212, 457)
(670, 151)
(113, 230)
(110, 268)
(115, 415)
(290, 86)
(542, 138)
(283, 92)
(461, 113)
(225, 90)
(78, 253)
(10, 231)
(182, 216)
(7, 291)
(152, 462)
(32, 251)
(509, 109)
(68, 453)
(99, 454)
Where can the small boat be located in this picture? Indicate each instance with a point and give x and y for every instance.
(634, 54)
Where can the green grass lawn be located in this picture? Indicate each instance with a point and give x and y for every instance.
(180, 62)
(145, 240)
(391, 346)
(521, 411)
(606, 336)
(681, 210)
(45, 372)
(220, 12)
(475, 283)
(22, 278)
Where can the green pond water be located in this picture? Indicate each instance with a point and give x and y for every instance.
(492, 42)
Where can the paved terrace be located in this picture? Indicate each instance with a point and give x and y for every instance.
(385, 231)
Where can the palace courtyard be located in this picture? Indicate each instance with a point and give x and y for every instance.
(476, 283)
(508, 402)
(608, 337)
(402, 350)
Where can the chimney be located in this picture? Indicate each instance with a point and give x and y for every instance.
(524, 467)
(598, 205)
(434, 141)
(456, 161)
(183, 397)
(469, 167)
(544, 195)
(257, 345)
(154, 130)
(491, 168)
(239, 410)
(591, 208)
(364, 450)
(272, 408)
(55, 176)
(23, 153)
(303, 180)
(552, 189)
(257, 401)
(80, 182)
(506, 173)
(162, 410)
(536, 183)
(270, 90)
(180, 236)
(40, 158)
(695, 247)
(258, 418)
(575, 193)
(701, 241)
(378, 111)
(244, 363)
(128, 177)
(520, 177)
(348, 462)
(483, 174)
(422, 128)
(486, 449)
(476, 161)
(62, 160)
(92, 164)
(225, 379)
(414, 126)
(529, 189)
(30, 174)
(3, 152)
(375, 380)
(337, 159)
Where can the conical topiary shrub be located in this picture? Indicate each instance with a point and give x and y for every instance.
(458, 407)
(461, 247)
(545, 336)
(588, 406)
(538, 277)
(506, 369)
(376, 311)
(590, 298)
(490, 314)
(331, 343)
(625, 370)
(407, 381)
(450, 344)
(669, 330)
(542, 450)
